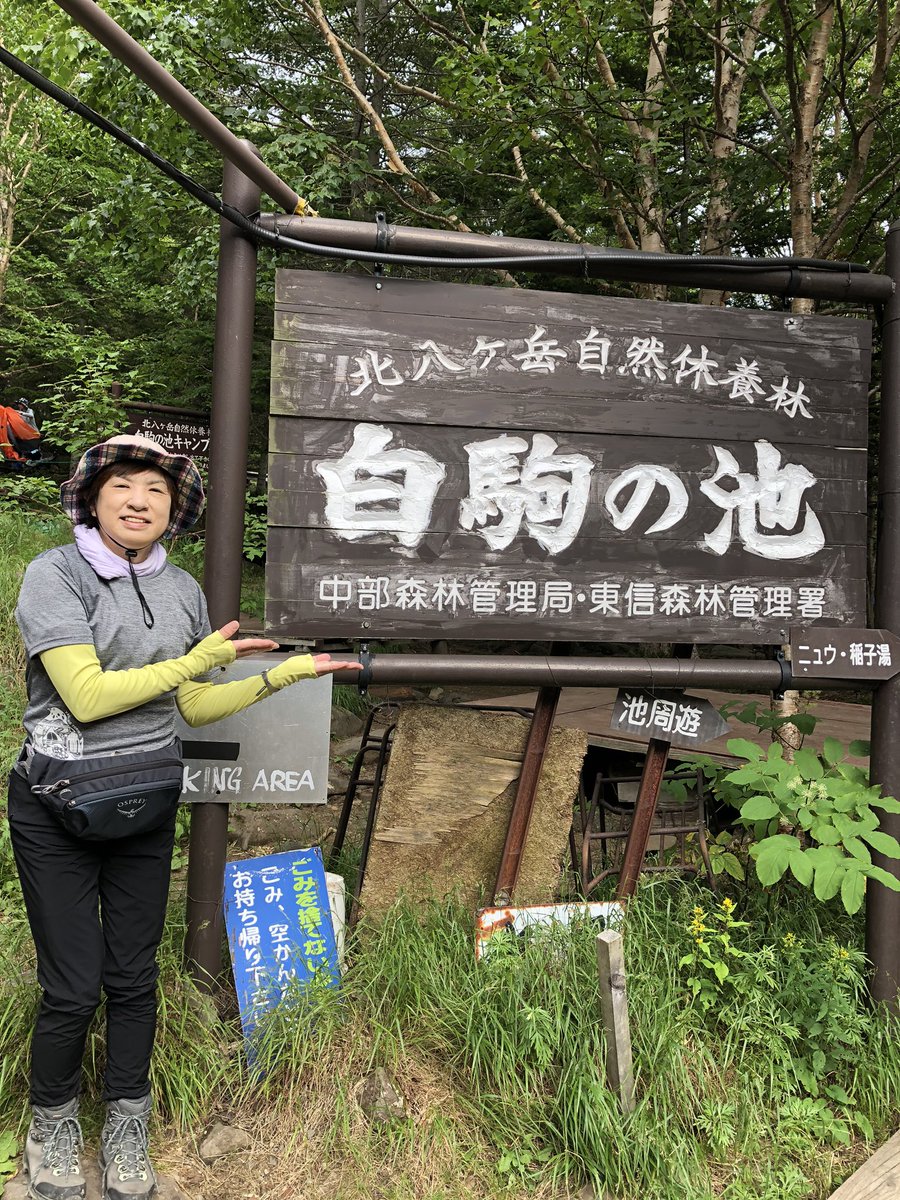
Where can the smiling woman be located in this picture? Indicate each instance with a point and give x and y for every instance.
(130, 502)
(117, 639)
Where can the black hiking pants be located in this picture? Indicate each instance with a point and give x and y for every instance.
(96, 911)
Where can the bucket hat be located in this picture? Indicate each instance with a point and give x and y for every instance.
(188, 503)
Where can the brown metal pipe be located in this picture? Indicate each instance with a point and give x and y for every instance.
(230, 423)
(535, 671)
(642, 821)
(526, 794)
(857, 287)
(121, 45)
(882, 904)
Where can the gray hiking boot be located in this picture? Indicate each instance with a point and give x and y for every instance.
(52, 1153)
(124, 1157)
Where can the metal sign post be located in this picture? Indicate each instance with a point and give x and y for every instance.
(882, 904)
(235, 305)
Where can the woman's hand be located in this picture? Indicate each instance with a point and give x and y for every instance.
(246, 645)
(326, 665)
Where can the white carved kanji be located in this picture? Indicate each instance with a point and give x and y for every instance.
(645, 477)
(697, 369)
(372, 369)
(643, 358)
(674, 600)
(365, 499)
(521, 596)
(548, 491)
(790, 402)
(770, 499)
(744, 381)
(448, 595)
(605, 599)
(593, 352)
(540, 353)
(433, 354)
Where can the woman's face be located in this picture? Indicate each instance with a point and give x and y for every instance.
(133, 510)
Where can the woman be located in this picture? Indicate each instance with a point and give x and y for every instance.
(116, 638)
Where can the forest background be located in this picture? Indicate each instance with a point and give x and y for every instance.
(747, 128)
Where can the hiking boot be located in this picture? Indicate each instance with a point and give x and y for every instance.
(51, 1153)
(124, 1158)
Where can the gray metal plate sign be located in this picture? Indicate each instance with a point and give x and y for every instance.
(484, 462)
(276, 751)
(863, 654)
(669, 716)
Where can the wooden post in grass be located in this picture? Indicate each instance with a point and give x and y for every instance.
(614, 1013)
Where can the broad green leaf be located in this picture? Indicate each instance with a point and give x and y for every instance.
(805, 722)
(759, 808)
(884, 843)
(828, 879)
(833, 750)
(741, 748)
(825, 833)
(858, 848)
(887, 803)
(773, 856)
(808, 763)
(721, 971)
(882, 876)
(859, 748)
(853, 889)
(733, 866)
(801, 869)
(743, 775)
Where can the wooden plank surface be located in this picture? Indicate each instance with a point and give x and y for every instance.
(876, 1179)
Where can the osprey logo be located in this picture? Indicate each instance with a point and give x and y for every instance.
(132, 806)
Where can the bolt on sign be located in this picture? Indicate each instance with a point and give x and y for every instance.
(481, 462)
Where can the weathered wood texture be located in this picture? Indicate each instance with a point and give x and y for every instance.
(876, 1179)
(614, 1013)
(602, 419)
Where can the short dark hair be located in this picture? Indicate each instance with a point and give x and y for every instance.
(125, 468)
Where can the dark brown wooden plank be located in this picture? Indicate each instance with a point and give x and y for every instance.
(316, 290)
(312, 585)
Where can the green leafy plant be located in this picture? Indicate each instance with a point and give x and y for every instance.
(26, 492)
(708, 958)
(815, 817)
(8, 1151)
(255, 527)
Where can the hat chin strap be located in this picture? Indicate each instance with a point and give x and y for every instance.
(131, 555)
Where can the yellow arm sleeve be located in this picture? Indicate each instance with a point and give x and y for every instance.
(90, 693)
(203, 703)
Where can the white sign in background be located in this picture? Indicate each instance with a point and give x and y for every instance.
(274, 752)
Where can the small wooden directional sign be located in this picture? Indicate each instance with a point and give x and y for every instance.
(864, 654)
(667, 715)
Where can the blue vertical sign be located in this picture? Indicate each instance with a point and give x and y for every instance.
(279, 927)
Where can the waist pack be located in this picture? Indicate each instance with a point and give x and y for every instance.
(99, 799)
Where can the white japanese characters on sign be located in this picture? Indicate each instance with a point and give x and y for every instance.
(645, 357)
(380, 491)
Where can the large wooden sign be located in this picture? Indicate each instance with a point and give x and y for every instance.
(484, 462)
